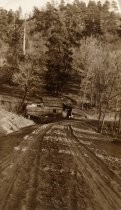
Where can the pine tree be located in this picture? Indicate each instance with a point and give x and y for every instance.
(92, 21)
(59, 61)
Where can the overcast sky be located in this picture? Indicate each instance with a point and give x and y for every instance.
(27, 5)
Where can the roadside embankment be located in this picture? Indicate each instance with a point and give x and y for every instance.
(10, 122)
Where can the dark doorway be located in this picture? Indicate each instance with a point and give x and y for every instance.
(67, 109)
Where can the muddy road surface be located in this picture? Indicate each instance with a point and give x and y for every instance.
(57, 166)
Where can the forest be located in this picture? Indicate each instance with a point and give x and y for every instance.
(66, 48)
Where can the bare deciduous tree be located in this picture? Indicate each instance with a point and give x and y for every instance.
(23, 79)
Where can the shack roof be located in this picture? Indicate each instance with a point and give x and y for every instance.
(52, 101)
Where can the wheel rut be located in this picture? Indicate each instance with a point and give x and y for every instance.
(53, 170)
(105, 184)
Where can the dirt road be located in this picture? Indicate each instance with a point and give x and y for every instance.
(51, 168)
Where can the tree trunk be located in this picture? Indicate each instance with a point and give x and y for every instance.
(84, 96)
(99, 110)
(108, 99)
(20, 109)
(115, 119)
(119, 122)
(91, 97)
(114, 124)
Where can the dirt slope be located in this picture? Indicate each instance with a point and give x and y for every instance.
(10, 122)
(52, 169)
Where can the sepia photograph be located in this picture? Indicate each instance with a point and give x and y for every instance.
(60, 104)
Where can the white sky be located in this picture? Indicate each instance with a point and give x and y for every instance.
(27, 5)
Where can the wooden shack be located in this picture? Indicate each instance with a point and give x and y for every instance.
(47, 105)
(53, 104)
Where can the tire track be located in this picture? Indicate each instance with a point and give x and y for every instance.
(4, 163)
(60, 175)
(106, 194)
(32, 197)
(17, 170)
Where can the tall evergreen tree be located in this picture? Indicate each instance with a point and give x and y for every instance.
(59, 58)
(92, 21)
